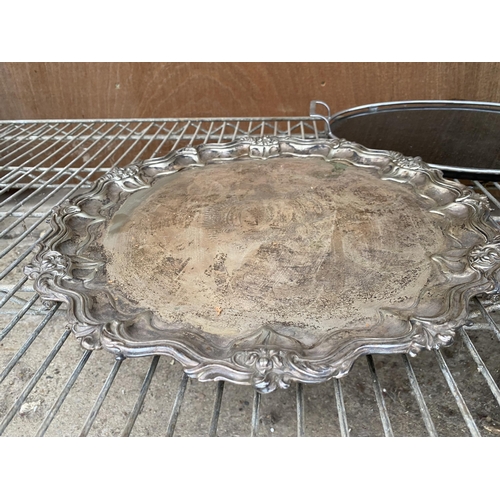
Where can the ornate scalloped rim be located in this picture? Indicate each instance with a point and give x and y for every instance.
(265, 359)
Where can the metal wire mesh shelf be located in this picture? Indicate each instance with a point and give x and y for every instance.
(49, 386)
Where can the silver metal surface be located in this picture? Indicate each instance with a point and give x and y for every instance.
(55, 388)
(332, 122)
(315, 308)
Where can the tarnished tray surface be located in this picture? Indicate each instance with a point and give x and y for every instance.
(269, 260)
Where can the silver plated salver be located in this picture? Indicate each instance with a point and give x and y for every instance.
(269, 260)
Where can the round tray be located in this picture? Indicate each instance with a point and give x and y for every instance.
(270, 260)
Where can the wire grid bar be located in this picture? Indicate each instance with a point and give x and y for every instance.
(384, 415)
(20, 353)
(464, 410)
(140, 400)
(481, 367)
(28, 150)
(255, 414)
(177, 406)
(216, 412)
(339, 398)
(62, 396)
(300, 410)
(33, 381)
(426, 416)
(43, 163)
(100, 399)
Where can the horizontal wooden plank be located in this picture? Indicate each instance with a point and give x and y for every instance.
(140, 90)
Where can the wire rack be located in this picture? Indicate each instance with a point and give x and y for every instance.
(50, 386)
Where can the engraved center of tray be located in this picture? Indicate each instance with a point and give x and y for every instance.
(306, 247)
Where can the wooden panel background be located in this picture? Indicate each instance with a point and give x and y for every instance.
(142, 90)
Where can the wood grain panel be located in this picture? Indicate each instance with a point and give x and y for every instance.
(139, 90)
